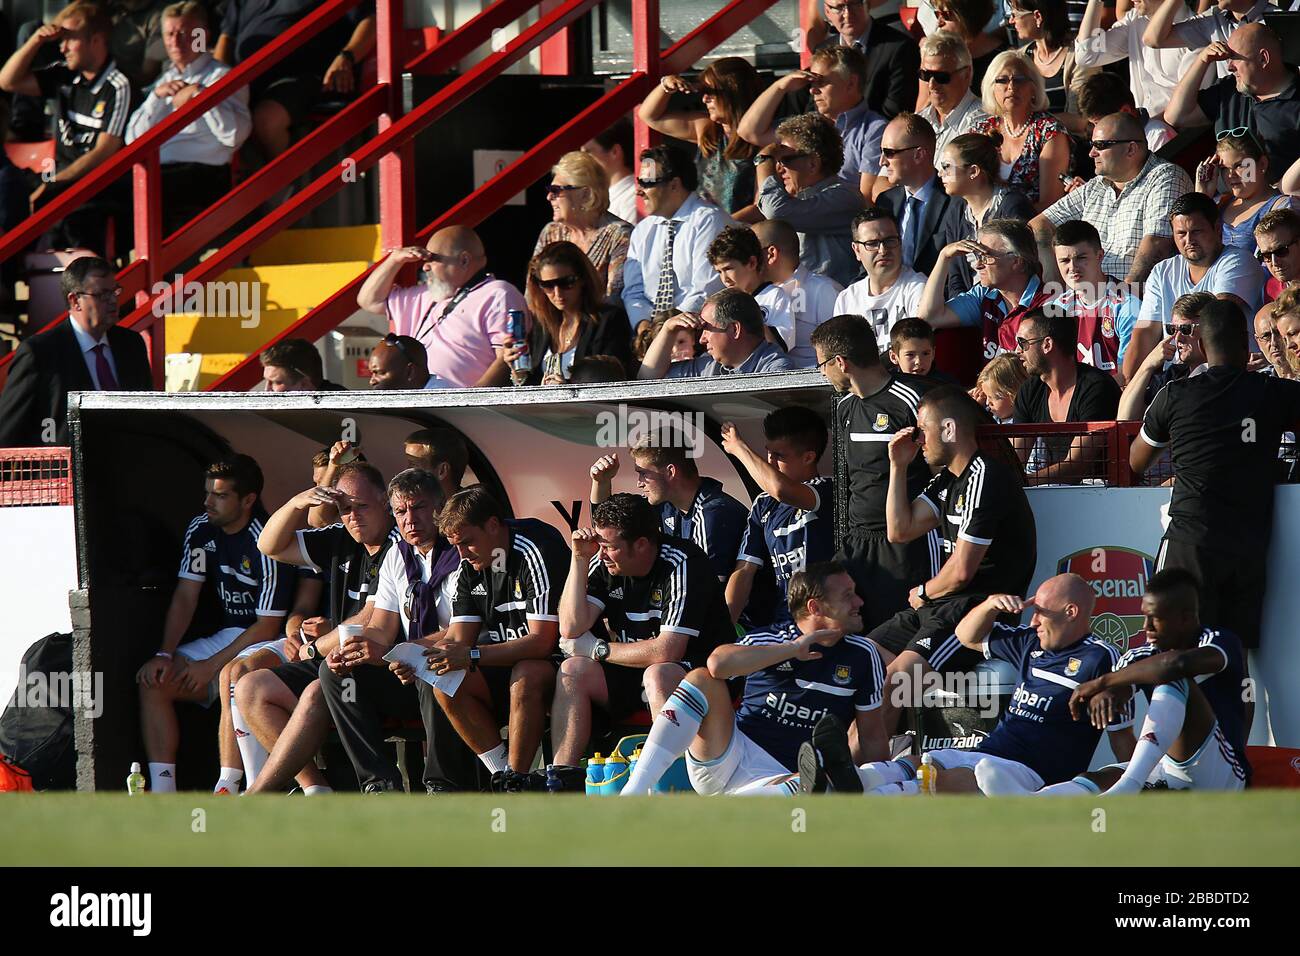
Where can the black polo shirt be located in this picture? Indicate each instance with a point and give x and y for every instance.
(85, 108)
(1276, 121)
(869, 423)
(1224, 426)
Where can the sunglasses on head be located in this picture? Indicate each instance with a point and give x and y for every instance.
(559, 282)
(393, 340)
(1266, 255)
(1185, 328)
(942, 77)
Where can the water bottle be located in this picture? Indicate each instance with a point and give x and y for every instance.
(519, 332)
(631, 764)
(615, 774)
(553, 782)
(927, 775)
(595, 775)
(135, 780)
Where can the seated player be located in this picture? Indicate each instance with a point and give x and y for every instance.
(503, 630)
(255, 591)
(816, 665)
(1036, 742)
(661, 606)
(441, 451)
(348, 555)
(1194, 734)
(791, 520)
(690, 506)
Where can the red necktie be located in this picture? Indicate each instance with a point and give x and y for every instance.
(103, 371)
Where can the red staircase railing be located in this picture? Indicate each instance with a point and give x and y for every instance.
(648, 65)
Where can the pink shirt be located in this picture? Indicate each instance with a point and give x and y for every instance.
(461, 346)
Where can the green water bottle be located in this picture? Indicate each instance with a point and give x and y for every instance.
(135, 780)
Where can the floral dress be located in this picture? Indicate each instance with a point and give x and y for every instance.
(1024, 171)
(608, 250)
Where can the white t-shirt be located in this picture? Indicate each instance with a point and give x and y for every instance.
(1236, 271)
(900, 301)
(775, 303)
(812, 302)
(390, 592)
(622, 200)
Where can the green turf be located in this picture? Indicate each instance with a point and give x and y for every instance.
(1256, 828)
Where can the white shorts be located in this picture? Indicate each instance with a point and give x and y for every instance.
(952, 759)
(1210, 768)
(201, 648)
(744, 767)
(277, 646)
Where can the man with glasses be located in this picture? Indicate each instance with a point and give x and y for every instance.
(890, 291)
(946, 73)
(835, 79)
(667, 268)
(1260, 94)
(917, 200)
(876, 402)
(89, 352)
(1060, 388)
(1277, 245)
(1203, 264)
(798, 182)
(400, 361)
(891, 56)
(1179, 355)
(459, 312)
(1009, 284)
(731, 328)
(1128, 201)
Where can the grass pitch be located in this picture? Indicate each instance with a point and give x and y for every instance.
(1258, 828)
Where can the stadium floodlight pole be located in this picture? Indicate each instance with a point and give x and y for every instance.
(647, 59)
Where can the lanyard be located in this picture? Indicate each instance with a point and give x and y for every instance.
(454, 301)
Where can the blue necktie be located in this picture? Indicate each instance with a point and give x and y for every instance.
(911, 240)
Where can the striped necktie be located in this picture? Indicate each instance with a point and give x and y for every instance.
(666, 295)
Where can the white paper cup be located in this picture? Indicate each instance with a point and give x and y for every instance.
(349, 632)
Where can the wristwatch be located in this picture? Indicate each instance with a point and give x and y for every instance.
(920, 592)
(601, 651)
(760, 159)
(474, 655)
(349, 56)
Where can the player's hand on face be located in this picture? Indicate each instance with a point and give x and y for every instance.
(50, 32)
(1257, 362)
(903, 447)
(1009, 603)
(605, 468)
(809, 647)
(585, 543)
(1158, 356)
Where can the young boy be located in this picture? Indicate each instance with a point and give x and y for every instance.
(911, 349)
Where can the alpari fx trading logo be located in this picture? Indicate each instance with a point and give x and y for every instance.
(1118, 577)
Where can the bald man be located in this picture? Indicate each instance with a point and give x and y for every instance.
(1127, 201)
(400, 361)
(1036, 743)
(811, 296)
(459, 313)
(1260, 93)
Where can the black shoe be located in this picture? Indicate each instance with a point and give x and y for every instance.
(498, 784)
(379, 786)
(571, 779)
(515, 782)
(812, 778)
(830, 746)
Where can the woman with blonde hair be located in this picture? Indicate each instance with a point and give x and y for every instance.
(1249, 196)
(570, 320)
(725, 162)
(1035, 148)
(579, 197)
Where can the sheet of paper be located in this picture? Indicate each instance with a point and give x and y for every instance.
(412, 655)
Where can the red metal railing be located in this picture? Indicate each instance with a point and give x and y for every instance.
(35, 476)
(1103, 451)
(397, 139)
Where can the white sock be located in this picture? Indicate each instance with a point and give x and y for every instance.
(675, 726)
(495, 759)
(902, 789)
(1077, 787)
(162, 778)
(1163, 724)
(317, 791)
(229, 780)
(251, 750)
(883, 772)
(994, 781)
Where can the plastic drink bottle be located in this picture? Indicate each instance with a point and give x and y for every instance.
(615, 774)
(595, 775)
(927, 775)
(135, 780)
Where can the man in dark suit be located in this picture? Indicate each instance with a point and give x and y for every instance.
(84, 354)
(917, 198)
(893, 57)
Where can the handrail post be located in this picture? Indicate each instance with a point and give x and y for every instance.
(556, 53)
(807, 13)
(146, 192)
(646, 58)
(397, 168)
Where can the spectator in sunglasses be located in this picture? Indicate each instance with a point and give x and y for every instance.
(1261, 93)
(724, 159)
(948, 103)
(579, 198)
(978, 23)
(1180, 355)
(1277, 245)
(1248, 195)
(570, 322)
(891, 55)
